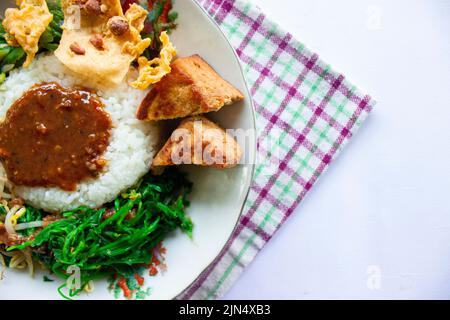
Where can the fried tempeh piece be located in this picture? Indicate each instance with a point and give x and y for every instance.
(193, 87)
(199, 141)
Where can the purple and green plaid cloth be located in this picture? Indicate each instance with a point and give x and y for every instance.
(308, 109)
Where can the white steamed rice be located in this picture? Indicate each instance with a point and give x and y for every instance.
(132, 142)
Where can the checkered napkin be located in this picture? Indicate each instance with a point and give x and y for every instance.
(308, 109)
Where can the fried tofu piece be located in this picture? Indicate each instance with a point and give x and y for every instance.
(199, 141)
(192, 88)
(25, 25)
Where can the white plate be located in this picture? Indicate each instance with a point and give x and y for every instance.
(218, 196)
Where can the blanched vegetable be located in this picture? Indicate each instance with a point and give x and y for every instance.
(118, 237)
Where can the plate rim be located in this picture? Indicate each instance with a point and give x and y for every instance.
(253, 150)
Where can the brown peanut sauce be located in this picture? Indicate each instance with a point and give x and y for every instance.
(54, 137)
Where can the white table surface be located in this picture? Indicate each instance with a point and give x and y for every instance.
(377, 225)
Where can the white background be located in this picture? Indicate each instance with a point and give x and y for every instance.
(383, 207)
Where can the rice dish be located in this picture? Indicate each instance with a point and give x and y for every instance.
(132, 144)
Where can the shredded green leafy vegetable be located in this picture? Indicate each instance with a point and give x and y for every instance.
(31, 214)
(119, 236)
